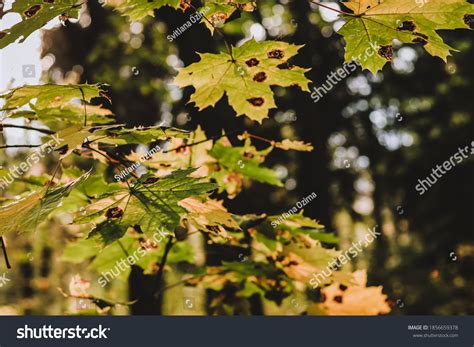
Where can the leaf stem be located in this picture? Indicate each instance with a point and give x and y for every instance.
(122, 247)
(271, 142)
(85, 108)
(5, 255)
(332, 9)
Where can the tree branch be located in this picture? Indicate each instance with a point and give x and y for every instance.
(159, 275)
(44, 131)
(19, 146)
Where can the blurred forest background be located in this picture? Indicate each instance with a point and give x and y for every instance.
(374, 137)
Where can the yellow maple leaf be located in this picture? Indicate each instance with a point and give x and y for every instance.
(354, 300)
(210, 216)
(294, 145)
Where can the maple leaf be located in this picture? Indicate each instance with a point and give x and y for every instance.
(139, 9)
(208, 216)
(375, 24)
(217, 12)
(142, 135)
(71, 138)
(151, 204)
(50, 95)
(168, 160)
(357, 299)
(297, 268)
(35, 14)
(245, 77)
(25, 214)
(294, 145)
(242, 160)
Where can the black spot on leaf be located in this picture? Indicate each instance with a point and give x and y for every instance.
(469, 20)
(213, 228)
(276, 54)
(407, 25)
(421, 35)
(342, 287)
(256, 101)
(386, 52)
(151, 180)
(260, 77)
(285, 66)
(114, 212)
(419, 41)
(252, 62)
(32, 10)
(49, 1)
(248, 155)
(2, 34)
(63, 149)
(181, 233)
(338, 299)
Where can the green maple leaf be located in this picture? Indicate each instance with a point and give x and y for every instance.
(143, 135)
(246, 79)
(49, 95)
(25, 214)
(139, 9)
(69, 113)
(35, 14)
(233, 159)
(375, 24)
(218, 12)
(151, 204)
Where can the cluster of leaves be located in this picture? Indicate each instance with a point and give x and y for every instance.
(370, 24)
(179, 187)
(375, 23)
(178, 193)
(34, 15)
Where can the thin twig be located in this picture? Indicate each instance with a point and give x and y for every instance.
(261, 138)
(332, 9)
(159, 275)
(5, 255)
(44, 131)
(19, 146)
(84, 103)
